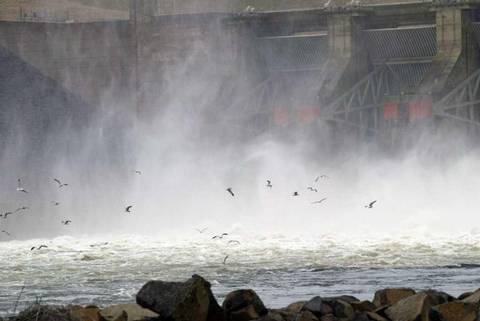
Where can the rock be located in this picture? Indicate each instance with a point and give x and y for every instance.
(120, 316)
(272, 315)
(347, 298)
(318, 307)
(296, 306)
(306, 316)
(391, 296)
(413, 308)
(243, 305)
(369, 316)
(473, 298)
(375, 317)
(181, 301)
(440, 296)
(335, 306)
(288, 315)
(133, 312)
(454, 311)
(79, 313)
(342, 310)
(464, 295)
(45, 313)
(363, 306)
(328, 317)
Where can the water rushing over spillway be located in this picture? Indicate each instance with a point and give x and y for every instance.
(109, 270)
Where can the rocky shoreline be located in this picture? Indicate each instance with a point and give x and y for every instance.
(193, 300)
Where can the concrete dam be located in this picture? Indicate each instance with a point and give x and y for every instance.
(372, 67)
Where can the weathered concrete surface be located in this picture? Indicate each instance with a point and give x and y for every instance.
(173, 7)
(60, 11)
(93, 61)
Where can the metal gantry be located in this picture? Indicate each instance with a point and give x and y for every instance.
(250, 114)
(360, 106)
(463, 102)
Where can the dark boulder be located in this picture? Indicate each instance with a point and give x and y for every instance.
(337, 307)
(318, 306)
(273, 315)
(181, 301)
(473, 298)
(454, 311)
(346, 298)
(440, 296)
(415, 307)
(296, 306)
(391, 296)
(243, 305)
(369, 316)
(464, 295)
(342, 310)
(363, 306)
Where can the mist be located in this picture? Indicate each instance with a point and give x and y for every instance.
(196, 138)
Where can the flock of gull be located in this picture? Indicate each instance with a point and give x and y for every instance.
(129, 208)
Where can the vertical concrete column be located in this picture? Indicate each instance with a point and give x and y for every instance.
(141, 12)
(346, 63)
(456, 52)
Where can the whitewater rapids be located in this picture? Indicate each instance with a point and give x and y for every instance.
(111, 269)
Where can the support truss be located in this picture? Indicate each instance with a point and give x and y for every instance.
(249, 114)
(462, 103)
(359, 106)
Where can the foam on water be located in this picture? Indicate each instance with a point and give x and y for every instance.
(105, 270)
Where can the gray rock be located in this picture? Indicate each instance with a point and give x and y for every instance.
(454, 311)
(181, 301)
(391, 296)
(133, 312)
(464, 295)
(473, 298)
(318, 306)
(243, 305)
(414, 307)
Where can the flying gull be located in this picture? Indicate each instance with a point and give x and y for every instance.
(320, 201)
(269, 183)
(230, 191)
(99, 244)
(67, 222)
(295, 194)
(60, 184)
(219, 236)
(321, 176)
(128, 208)
(55, 203)
(19, 186)
(312, 189)
(5, 232)
(6, 214)
(201, 230)
(234, 241)
(23, 208)
(138, 172)
(225, 259)
(39, 248)
(371, 204)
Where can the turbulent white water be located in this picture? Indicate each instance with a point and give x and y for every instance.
(105, 270)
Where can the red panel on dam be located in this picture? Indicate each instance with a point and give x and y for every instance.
(280, 116)
(390, 110)
(307, 115)
(419, 109)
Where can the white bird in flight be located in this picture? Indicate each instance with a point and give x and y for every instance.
(19, 186)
